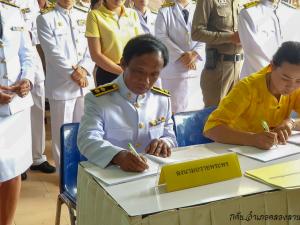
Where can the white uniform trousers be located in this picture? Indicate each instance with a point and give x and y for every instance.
(63, 111)
(186, 94)
(38, 123)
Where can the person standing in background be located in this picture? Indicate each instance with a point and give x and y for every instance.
(108, 29)
(68, 65)
(30, 10)
(16, 80)
(173, 27)
(215, 23)
(263, 25)
(147, 17)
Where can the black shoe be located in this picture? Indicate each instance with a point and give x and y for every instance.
(24, 176)
(44, 167)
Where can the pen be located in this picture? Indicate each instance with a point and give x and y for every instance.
(132, 150)
(266, 127)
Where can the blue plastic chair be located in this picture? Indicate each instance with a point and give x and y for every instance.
(70, 158)
(189, 126)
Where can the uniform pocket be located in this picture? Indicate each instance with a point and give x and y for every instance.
(156, 131)
(222, 11)
(121, 134)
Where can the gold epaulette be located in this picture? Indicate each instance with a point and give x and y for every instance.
(104, 89)
(250, 4)
(288, 4)
(49, 8)
(155, 12)
(81, 8)
(9, 3)
(161, 91)
(167, 4)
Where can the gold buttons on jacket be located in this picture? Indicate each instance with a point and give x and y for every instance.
(141, 125)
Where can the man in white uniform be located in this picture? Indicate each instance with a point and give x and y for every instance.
(30, 10)
(187, 57)
(263, 26)
(68, 65)
(16, 79)
(147, 17)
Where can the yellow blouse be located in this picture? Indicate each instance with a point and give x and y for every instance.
(250, 102)
(114, 31)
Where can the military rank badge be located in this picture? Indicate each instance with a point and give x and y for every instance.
(25, 10)
(81, 22)
(222, 2)
(17, 28)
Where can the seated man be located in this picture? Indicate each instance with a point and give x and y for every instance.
(129, 110)
(268, 95)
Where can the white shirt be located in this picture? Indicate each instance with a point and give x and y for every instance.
(62, 36)
(260, 34)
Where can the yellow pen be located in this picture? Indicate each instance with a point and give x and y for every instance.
(132, 150)
(265, 125)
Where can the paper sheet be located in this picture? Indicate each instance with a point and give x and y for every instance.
(112, 175)
(294, 138)
(267, 155)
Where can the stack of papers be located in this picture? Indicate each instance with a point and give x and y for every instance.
(283, 175)
(267, 155)
(113, 175)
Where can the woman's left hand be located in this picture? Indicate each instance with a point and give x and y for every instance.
(284, 130)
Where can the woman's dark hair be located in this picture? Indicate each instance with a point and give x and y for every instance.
(94, 2)
(144, 44)
(288, 52)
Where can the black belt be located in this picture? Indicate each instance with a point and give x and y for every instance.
(233, 58)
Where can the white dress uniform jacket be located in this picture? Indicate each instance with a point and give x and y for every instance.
(15, 64)
(118, 117)
(30, 11)
(61, 33)
(260, 34)
(148, 25)
(175, 33)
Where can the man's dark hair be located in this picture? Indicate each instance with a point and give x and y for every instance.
(144, 44)
(288, 52)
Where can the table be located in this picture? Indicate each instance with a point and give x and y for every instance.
(237, 201)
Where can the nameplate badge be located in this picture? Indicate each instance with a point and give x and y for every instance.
(183, 175)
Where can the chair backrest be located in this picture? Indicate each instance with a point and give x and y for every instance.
(70, 158)
(189, 126)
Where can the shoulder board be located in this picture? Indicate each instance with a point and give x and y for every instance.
(288, 4)
(104, 89)
(9, 3)
(47, 9)
(250, 4)
(161, 91)
(167, 4)
(81, 8)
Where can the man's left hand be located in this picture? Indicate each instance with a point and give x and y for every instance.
(158, 147)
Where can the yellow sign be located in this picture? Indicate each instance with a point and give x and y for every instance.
(199, 172)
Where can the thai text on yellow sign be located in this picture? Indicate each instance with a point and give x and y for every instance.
(199, 172)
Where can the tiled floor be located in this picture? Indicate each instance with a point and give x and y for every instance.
(37, 205)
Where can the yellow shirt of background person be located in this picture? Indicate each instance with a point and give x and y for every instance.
(250, 102)
(114, 32)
